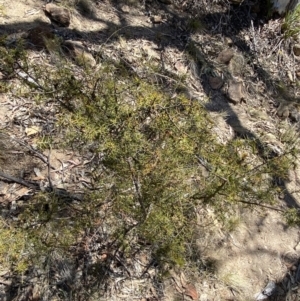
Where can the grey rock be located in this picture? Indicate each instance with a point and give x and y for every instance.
(235, 91)
(267, 292)
(59, 16)
(225, 56)
(283, 110)
(236, 65)
(294, 115)
(296, 49)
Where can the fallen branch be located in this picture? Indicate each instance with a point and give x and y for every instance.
(35, 186)
(19, 181)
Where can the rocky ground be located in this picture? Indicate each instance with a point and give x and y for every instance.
(237, 63)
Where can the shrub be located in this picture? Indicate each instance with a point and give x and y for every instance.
(157, 161)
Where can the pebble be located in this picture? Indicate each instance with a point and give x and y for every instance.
(294, 115)
(296, 49)
(283, 111)
(225, 56)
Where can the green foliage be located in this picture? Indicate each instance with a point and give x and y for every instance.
(158, 162)
(292, 217)
(13, 247)
(153, 149)
(291, 24)
(9, 57)
(53, 230)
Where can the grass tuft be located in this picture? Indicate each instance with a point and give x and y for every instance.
(291, 24)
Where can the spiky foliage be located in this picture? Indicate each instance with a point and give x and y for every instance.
(156, 162)
(291, 24)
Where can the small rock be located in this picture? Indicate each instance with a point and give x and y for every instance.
(296, 49)
(156, 19)
(225, 56)
(180, 67)
(267, 292)
(59, 16)
(215, 82)
(294, 115)
(270, 138)
(283, 110)
(235, 91)
(236, 65)
(80, 53)
(228, 41)
(125, 9)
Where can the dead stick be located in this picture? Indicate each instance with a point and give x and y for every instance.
(35, 152)
(18, 180)
(34, 186)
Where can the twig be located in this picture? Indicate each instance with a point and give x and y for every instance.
(253, 36)
(27, 77)
(36, 153)
(122, 263)
(207, 197)
(261, 205)
(276, 46)
(137, 185)
(19, 181)
(35, 186)
(48, 167)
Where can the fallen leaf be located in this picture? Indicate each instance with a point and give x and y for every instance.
(22, 191)
(32, 130)
(38, 174)
(191, 291)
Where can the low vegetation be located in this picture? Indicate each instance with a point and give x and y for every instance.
(291, 24)
(156, 162)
